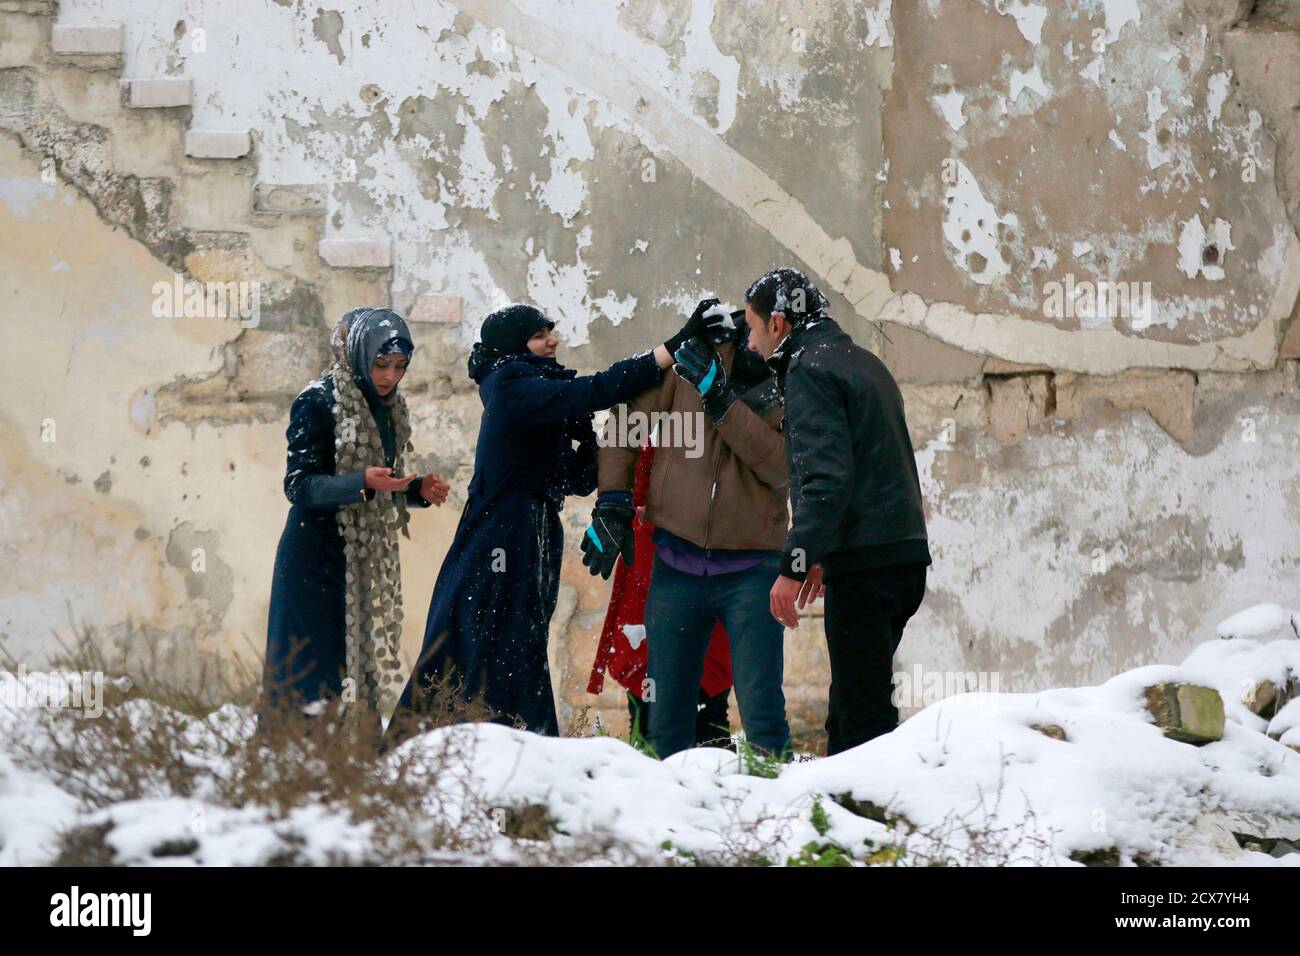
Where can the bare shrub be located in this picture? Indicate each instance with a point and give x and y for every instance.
(972, 837)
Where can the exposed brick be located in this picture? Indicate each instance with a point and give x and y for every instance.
(1168, 396)
(436, 307)
(158, 93)
(218, 143)
(356, 253)
(1017, 404)
(88, 40)
(278, 199)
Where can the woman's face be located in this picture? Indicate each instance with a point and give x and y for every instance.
(544, 343)
(387, 372)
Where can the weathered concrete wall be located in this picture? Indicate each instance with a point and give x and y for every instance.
(1097, 482)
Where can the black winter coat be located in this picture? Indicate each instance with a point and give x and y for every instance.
(498, 585)
(854, 491)
(306, 635)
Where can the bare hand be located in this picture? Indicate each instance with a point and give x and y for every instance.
(434, 490)
(782, 598)
(381, 479)
(812, 587)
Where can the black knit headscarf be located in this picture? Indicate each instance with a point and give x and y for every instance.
(505, 332)
(509, 329)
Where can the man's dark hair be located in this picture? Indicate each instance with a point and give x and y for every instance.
(787, 291)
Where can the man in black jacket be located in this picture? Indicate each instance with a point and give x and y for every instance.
(858, 518)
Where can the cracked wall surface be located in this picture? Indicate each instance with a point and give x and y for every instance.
(963, 177)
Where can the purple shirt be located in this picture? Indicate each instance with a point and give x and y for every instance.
(681, 555)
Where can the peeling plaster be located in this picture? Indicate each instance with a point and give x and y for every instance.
(663, 116)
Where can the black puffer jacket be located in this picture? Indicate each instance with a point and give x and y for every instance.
(854, 491)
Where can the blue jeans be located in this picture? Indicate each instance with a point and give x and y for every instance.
(679, 616)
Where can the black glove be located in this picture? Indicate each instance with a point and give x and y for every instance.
(698, 363)
(609, 534)
(728, 328)
(697, 324)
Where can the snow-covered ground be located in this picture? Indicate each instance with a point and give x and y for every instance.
(969, 779)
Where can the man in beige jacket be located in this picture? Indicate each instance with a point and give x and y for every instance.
(717, 499)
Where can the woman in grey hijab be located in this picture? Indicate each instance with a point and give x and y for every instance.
(336, 601)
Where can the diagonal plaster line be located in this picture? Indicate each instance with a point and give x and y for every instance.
(752, 191)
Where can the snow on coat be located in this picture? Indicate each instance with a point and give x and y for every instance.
(497, 588)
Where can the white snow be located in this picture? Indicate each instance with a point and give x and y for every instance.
(635, 634)
(1260, 621)
(1114, 783)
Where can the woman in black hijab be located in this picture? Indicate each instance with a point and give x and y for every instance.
(335, 614)
(498, 585)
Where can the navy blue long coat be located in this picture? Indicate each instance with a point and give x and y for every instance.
(306, 655)
(497, 588)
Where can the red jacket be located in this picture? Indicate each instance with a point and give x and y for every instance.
(616, 655)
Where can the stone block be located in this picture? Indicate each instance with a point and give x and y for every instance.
(23, 41)
(1168, 396)
(158, 93)
(356, 253)
(1261, 698)
(436, 307)
(1186, 712)
(218, 143)
(1017, 404)
(96, 41)
(1055, 731)
(277, 362)
(287, 200)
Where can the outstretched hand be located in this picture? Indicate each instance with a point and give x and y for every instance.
(434, 490)
(383, 479)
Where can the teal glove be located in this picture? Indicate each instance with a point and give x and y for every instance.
(698, 363)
